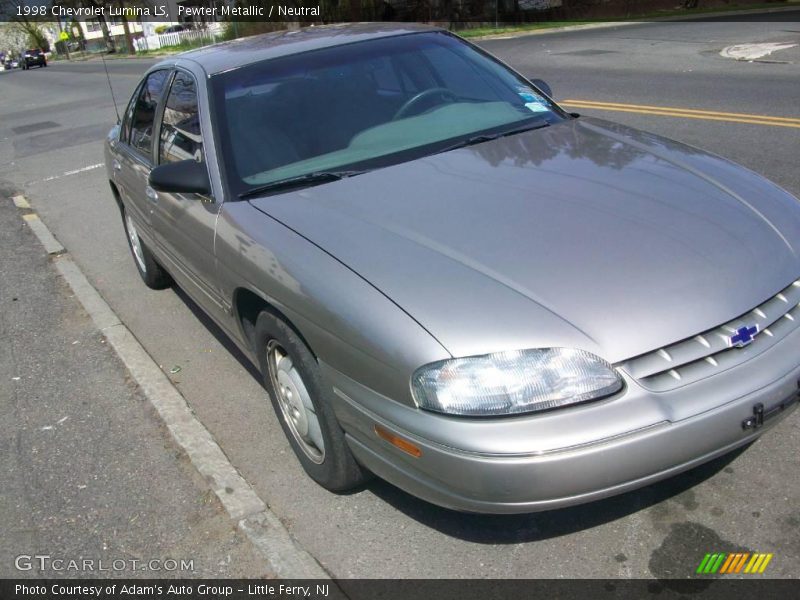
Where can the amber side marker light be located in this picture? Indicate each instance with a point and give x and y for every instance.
(394, 440)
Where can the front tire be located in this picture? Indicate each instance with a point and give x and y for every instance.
(301, 400)
(153, 274)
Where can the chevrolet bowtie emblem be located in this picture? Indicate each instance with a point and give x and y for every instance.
(743, 337)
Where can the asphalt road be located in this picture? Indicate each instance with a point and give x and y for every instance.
(747, 500)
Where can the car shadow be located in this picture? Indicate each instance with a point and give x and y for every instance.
(531, 527)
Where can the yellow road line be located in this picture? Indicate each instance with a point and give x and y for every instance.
(686, 113)
(689, 110)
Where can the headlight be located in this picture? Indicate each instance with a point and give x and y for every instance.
(513, 382)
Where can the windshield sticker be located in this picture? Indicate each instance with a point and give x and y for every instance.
(536, 107)
(533, 102)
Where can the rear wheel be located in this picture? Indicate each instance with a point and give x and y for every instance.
(153, 274)
(301, 400)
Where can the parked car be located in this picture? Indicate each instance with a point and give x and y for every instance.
(33, 57)
(447, 280)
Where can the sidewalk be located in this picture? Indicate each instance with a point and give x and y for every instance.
(87, 470)
(514, 31)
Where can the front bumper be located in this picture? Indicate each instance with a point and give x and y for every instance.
(463, 465)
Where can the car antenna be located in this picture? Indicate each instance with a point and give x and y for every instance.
(108, 77)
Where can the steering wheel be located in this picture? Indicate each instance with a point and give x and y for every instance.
(444, 93)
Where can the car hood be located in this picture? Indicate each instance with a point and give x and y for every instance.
(584, 234)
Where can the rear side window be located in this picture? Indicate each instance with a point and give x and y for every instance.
(180, 128)
(144, 113)
(125, 134)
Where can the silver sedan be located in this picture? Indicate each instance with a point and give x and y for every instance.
(449, 281)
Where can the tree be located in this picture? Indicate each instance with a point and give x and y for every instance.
(120, 6)
(29, 27)
(12, 38)
(107, 37)
(127, 28)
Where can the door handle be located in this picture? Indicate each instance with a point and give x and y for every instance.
(116, 165)
(151, 194)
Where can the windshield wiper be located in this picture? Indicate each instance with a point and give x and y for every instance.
(488, 137)
(301, 181)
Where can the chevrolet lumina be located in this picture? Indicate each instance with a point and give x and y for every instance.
(449, 281)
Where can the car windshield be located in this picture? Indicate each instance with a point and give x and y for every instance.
(366, 105)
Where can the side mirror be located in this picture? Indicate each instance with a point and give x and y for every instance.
(183, 177)
(542, 85)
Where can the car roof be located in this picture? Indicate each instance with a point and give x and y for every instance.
(237, 53)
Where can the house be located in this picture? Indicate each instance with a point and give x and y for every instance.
(92, 32)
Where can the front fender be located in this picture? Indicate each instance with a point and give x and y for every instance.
(347, 322)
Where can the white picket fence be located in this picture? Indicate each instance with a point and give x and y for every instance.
(154, 42)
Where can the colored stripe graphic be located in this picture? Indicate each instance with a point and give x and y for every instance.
(728, 562)
(740, 563)
(758, 563)
(735, 562)
(724, 563)
(764, 564)
(714, 565)
(703, 563)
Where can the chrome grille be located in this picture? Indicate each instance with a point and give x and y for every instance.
(709, 352)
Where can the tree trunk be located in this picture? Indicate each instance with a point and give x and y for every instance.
(126, 25)
(110, 45)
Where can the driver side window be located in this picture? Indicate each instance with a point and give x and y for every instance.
(144, 112)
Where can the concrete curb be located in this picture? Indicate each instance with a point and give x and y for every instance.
(40, 230)
(264, 529)
(274, 542)
(566, 28)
